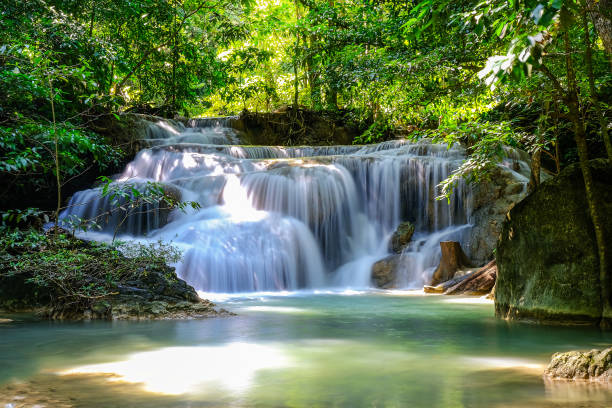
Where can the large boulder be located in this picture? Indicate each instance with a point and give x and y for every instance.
(384, 272)
(548, 265)
(595, 365)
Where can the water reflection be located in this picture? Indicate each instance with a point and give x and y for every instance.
(300, 350)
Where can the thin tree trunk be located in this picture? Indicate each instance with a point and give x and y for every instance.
(596, 218)
(296, 83)
(601, 14)
(536, 166)
(174, 59)
(313, 77)
(536, 157)
(557, 146)
(603, 125)
(92, 19)
(56, 153)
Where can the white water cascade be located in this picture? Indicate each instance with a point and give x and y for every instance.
(289, 218)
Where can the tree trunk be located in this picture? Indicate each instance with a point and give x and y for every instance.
(92, 19)
(536, 165)
(580, 137)
(453, 259)
(296, 83)
(603, 124)
(601, 14)
(313, 77)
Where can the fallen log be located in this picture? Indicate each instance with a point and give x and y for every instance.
(444, 286)
(480, 282)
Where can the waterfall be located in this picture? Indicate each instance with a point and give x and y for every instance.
(286, 218)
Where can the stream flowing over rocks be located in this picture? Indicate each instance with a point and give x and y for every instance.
(307, 217)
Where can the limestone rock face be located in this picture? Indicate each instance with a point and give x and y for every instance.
(384, 272)
(548, 266)
(595, 365)
(401, 237)
(491, 202)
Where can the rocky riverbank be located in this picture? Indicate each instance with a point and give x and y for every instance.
(594, 365)
(59, 277)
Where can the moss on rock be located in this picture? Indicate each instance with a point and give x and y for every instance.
(594, 365)
(548, 266)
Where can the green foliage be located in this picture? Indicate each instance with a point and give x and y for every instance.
(423, 65)
(27, 217)
(378, 131)
(29, 149)
(74, 273)
(27, 156)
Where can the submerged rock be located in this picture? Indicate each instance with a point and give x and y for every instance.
(548, 265)
(594, 365)
(136, 308)
(384, 272)
(401, 237)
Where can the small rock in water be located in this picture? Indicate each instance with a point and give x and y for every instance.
(5, 320)
(384, 272)
(594, 365)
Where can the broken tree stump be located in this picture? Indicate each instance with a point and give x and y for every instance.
(453, 259)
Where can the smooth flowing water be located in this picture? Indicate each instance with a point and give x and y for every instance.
(287, 218)
(277, 220)
(372, 349)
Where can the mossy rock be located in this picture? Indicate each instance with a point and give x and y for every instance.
(401, 237)
(548, 265)
(594, 365)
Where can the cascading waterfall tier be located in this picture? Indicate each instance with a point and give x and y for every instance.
(287, 218)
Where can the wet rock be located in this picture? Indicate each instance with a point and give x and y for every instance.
(491, 202)
(140, 309)
(594, 365)
(548, 265)
(401, 237)
(384, 272)
(5, 321)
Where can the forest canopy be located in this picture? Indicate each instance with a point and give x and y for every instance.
(488, 73)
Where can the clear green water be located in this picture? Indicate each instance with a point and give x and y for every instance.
(370, 350)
